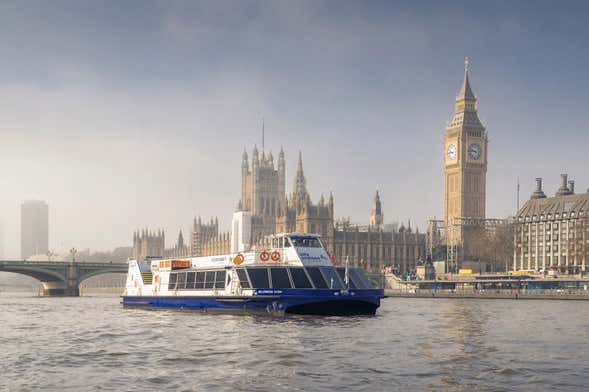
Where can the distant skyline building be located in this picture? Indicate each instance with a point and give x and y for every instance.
(34, 228)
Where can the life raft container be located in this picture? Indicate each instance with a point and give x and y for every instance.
(238, 259)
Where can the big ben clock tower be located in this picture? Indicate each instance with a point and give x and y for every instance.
(465, 164)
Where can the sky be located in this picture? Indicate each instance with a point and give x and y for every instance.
(125, 115)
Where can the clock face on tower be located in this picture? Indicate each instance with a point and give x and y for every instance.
(474, 151)
(451, 152)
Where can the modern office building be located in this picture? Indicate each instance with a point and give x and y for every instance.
(34, 228)
(552, 233)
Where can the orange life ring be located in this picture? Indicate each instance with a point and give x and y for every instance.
(275, 256)
(333, 260)
(264, 256)
(238, 259)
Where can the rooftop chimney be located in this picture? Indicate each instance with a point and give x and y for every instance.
(538, 193)
(563, 190)
(572, 187)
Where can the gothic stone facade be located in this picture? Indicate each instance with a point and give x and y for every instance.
(207, 239)
(299, 214)
(148, 243)
(374, 249)
(263, 194)
(465, 168)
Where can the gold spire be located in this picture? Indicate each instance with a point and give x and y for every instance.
(465, 92)
(465, 109)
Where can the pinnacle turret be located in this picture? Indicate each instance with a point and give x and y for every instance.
(180, 242)
(244, 159)
(465, 91)
(376, 216)
(300, 185)
(255, 156)
(377, 204)
(465, 110)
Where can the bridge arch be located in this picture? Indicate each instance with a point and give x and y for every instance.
(96, 273)
(42, 275)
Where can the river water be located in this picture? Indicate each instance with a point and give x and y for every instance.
(93, 343)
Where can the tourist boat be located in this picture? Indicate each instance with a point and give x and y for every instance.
(292, 274)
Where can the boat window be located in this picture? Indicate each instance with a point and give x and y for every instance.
(360, 278)
(280, 278)
(172, 281)
(190, 276)
(342, 274)
(241, 274)
(200, 280)
(299, 278)
(331, 277)
(285, 242)
(181, 280)
(209, 279)
(259, 277)
(317, 278)
(228, 279)
(220, 280)
(305, 242)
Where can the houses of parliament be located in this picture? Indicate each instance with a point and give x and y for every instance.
(373, 246)
(263, 195)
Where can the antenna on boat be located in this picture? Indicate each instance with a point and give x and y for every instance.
(346, 275)
(263, 131)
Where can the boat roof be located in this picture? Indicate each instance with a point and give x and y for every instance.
(296, 234)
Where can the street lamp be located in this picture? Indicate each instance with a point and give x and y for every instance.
(73, 252)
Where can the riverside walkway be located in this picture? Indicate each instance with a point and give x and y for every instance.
(486, 294)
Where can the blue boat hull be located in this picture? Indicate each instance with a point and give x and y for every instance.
(274, 301)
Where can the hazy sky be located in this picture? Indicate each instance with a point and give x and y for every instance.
(126, 114)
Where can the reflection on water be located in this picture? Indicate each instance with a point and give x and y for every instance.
(93, 343)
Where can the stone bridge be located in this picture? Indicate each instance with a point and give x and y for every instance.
(61, 278)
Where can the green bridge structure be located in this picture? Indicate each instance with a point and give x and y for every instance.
(61, 278)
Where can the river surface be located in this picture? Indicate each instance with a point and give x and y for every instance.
(93, 343)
